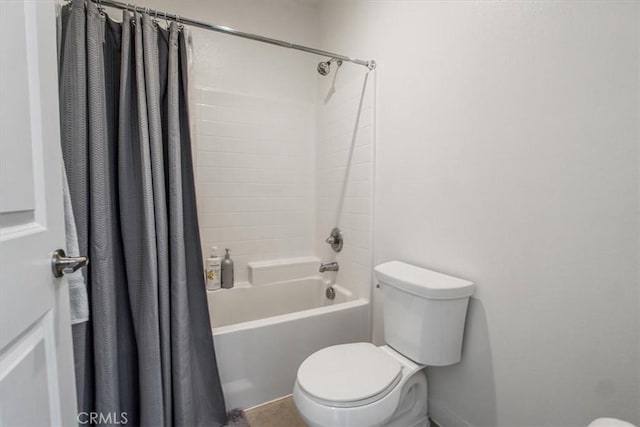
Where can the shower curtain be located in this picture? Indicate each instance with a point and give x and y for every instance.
(147, 349)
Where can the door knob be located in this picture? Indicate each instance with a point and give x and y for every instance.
(61, 264)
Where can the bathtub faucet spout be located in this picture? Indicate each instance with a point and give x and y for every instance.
(330, 266)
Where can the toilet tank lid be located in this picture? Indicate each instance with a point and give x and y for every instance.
(422, 282)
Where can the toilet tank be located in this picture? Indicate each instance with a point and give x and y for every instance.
(423, 312)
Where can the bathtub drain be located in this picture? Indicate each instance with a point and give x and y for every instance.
(330, 293)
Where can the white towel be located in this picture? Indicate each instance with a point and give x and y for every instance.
(78, 298)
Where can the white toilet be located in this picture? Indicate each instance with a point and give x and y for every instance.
(362, 385)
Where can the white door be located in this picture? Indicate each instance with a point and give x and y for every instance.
(37, 385)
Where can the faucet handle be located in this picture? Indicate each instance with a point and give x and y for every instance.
(335, 239)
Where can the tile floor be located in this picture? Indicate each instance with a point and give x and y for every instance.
(279, 413)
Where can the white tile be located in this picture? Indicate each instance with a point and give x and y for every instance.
(345, 182)
(255, 191)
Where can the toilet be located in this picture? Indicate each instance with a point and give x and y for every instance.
(359, 384)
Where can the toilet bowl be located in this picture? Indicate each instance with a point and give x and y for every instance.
(362, 385)
(359, 384)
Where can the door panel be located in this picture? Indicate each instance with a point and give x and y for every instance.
(16, 115)
(37, 385)
(24, 385)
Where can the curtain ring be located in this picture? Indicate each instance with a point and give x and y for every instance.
(100, 7)
(134, 14)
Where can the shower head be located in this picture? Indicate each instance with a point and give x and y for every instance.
(325, 67)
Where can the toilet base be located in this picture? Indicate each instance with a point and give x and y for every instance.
(412, 411)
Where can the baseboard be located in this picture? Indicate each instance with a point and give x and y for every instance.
(441, 415)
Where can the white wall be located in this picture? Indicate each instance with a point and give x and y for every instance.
(232, 64)
(344, 170)
(255, 176)
(254, 109)
(507, 153)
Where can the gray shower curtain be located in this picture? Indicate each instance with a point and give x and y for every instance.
(147, 348)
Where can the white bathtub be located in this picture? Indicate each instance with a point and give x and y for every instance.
(263, 333)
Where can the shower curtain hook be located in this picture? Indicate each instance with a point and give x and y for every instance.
(101, 8)
(134, 15)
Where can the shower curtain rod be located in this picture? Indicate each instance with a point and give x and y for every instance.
(226, 30)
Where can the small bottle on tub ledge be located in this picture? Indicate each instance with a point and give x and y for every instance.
(212, 270)
(227, 271)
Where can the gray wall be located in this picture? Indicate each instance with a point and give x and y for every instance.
(507, 153)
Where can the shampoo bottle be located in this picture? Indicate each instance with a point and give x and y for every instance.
(227, 271)
(212, 270)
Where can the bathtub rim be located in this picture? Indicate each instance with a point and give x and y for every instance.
(281, 318)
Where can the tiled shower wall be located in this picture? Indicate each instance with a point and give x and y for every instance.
(255, 175)
(344, 159)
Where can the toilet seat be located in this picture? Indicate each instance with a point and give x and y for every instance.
(349, 375)
(378, 408)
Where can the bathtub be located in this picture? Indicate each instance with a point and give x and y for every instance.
(262, 334)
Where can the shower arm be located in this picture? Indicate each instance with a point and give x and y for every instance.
(371, 64)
